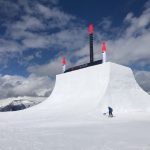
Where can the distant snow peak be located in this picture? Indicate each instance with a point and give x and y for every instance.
(19, 103)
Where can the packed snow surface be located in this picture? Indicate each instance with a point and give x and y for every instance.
(72, 117)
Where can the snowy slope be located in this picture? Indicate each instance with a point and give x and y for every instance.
(89, 91)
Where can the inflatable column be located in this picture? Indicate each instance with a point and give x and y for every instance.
(104, 51)
(64, 62)
(91, 42)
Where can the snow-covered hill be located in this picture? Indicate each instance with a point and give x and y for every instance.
(87, 92)
(19, 103)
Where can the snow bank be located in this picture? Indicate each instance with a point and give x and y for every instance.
(86, 93)
(89, 91)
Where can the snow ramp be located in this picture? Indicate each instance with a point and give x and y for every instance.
(91, 90)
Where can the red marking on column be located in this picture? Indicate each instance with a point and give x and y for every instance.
(91, 28)
(64, 62)
(103, 47)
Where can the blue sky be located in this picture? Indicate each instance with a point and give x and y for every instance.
(34, 35)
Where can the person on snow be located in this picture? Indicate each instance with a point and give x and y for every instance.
(110, 110)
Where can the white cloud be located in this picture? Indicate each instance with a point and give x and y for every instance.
(21, 33)
(71, 39)
(129, 50)
(137, 24)
(9, 46)
(143, 78)
(64, 39)
(38, 54)
(52, 68)
(36, 42)
(105, 24)
(28, 23)
(59, 17)
(12, 86)
(29, 58)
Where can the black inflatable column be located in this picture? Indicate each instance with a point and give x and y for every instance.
(91, 42)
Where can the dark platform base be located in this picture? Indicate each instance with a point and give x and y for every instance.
(84, 66)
